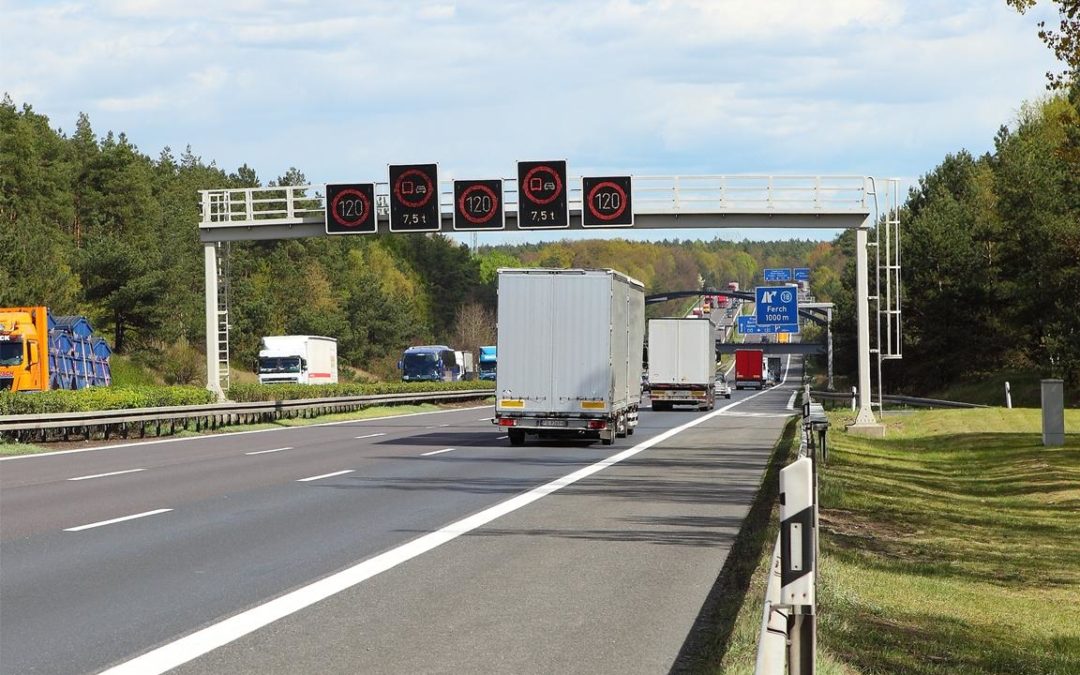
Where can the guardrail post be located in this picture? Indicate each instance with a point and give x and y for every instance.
(798, 564)
(1008, 396)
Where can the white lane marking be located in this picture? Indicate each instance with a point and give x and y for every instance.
(116, 520)
(437, 452)
(499, 438)
(263, 452)
(178, 652)
(381, 433)
(234, 433)
(325, 475)
(444, 425)
(484, 419)
(102, 475)
(791, 401)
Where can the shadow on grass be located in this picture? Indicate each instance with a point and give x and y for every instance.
(711, 633)
(932, 644)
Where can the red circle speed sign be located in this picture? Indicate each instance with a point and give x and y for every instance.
(350, 208)
(478, 204)
(412, 193)
(552, 184)
(609, 204)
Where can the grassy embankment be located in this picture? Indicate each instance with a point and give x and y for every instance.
(948, 547)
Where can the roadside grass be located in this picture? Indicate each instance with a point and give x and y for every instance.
(951, 545)
(124, 372)
(8, 449)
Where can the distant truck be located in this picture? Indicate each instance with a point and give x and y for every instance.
(774, 368)
(682, 363)
(298, 359)
(570, 344)
(39, 351)
(749, 368)
(429, 363)
(466, 368)
(488, 362)
(733, 286)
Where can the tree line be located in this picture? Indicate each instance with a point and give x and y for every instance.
(94, 226)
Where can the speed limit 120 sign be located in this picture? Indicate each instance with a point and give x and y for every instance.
(350, 208)
(478, 205)
(606, 202)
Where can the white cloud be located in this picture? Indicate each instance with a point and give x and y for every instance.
(340, 88)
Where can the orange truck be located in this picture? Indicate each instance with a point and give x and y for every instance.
(40, 352)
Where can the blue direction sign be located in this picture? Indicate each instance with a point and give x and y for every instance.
(802, 274)
(776, 305)
(777, 274)
(748, 325)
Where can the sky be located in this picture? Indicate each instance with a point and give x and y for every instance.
(341, 88)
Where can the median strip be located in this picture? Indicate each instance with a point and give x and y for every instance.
(325, 475)
(116, 520)
(103, 475)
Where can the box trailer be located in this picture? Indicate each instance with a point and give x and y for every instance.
(682, 363)
(749, 368)
(569, 345)
(298, 359)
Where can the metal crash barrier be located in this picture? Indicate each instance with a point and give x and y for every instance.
(787, 643)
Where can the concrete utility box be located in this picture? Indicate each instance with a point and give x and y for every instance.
(1053, 412)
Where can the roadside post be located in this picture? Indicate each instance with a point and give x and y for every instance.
(798, 563)
(1053, 412)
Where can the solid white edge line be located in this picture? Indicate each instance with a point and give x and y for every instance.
(116, 520)
(499, 438)
(791, 401)
(436, 452)
(185, 649)
(381, 433)
(230, 434)
(263, 452)
(325, 475)
(102, 475)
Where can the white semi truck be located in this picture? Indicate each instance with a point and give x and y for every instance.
(570, 344)
(298, 359)
(682, 363)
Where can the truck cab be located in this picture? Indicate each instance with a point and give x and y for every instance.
(488, 362)
(24, 349)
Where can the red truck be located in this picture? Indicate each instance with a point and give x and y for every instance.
(749, 368)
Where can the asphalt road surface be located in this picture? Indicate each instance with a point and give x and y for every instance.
(421, 543)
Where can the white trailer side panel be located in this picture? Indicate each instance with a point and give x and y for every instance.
(636, 340)
(322, 360)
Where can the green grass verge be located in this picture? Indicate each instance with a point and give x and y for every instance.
(951, 546)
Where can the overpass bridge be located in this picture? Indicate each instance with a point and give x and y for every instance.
(709, 202)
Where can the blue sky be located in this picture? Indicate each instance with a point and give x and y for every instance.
(339, 89)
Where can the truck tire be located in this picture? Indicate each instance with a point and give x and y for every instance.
(517, 437)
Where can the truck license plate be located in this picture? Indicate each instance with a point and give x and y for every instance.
(553, 423)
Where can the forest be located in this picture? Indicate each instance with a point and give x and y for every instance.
(91, 225)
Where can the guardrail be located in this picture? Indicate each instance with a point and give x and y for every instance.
(787, 642)
(39, 427)
(902, 400)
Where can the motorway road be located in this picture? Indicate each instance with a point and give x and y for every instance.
(605, 574)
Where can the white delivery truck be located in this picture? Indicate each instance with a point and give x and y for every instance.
(682, 363)
(298, 359)
(570, 345)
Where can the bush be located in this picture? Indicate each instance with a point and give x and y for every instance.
(183, 364)
(100, 398)
(290, 392)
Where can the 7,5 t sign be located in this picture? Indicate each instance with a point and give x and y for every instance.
(414, 198)
(542, 202)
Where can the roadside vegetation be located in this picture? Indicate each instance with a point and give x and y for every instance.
(947, 547)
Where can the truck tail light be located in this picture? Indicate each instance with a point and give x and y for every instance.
(507, 422)
(597, 424)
